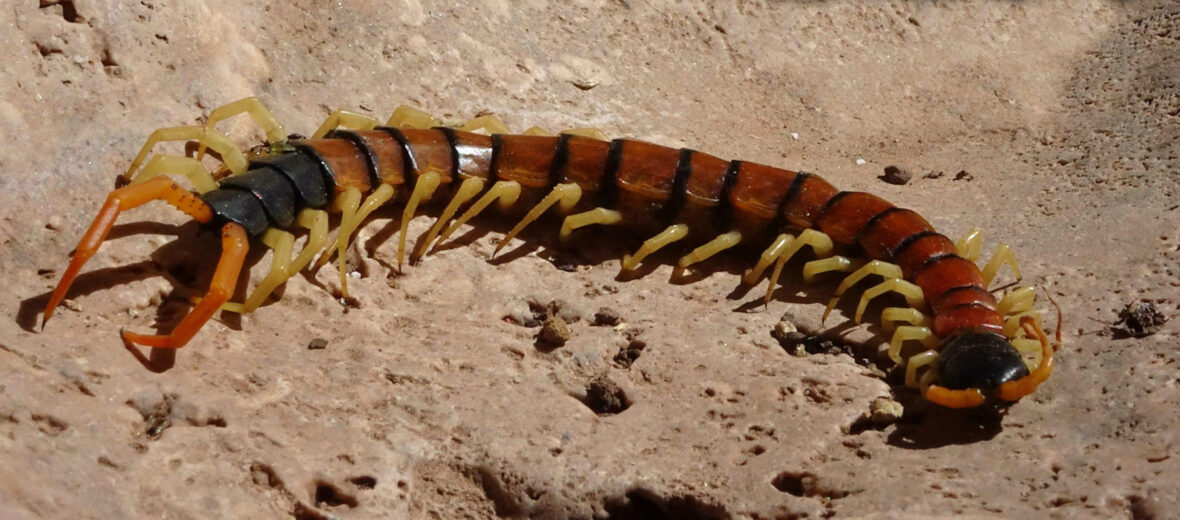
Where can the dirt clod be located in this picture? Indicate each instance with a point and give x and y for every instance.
(896, 175)
(606, 317)
(317, 344)
(1140, 320)
(605, 397)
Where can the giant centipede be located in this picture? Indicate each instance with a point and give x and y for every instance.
(977, 348)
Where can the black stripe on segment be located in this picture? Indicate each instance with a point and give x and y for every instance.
(561, 157)
(828, 205)
(780, 214)
(872, 222)
(909, 241)
(723, 218)
(678, 194)
(609, 189)
(450, 133)
(494, 165)
(409, 164)
(359, 142)
(934, 260)
(971, 288)
(325, 170)
(968, 304)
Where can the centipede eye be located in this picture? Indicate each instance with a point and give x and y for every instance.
(979, 359)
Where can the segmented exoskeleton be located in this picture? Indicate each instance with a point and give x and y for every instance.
(977, 348)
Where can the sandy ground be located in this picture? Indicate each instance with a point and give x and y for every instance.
(426, 402)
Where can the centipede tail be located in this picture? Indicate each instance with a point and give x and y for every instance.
(976, 348)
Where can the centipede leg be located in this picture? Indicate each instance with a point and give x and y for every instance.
(192, 169)
(564, 196)
(506, 192)
(281, 244)
(1017, 301)
(912, 293)
(346, 119)
(489, 124)
(599, 216)
(710, 248)
(536, 130)
(905, 333)
(1002, 256)
(347, 203)
(916, 362)
(284, 265)
(159, 188)
(409, 117)
(876, 267)
(669, 235)
(891, 316)
(231, 155)
(470, 187)
(349, 225)
(837, 263)
(970, 245)
(424, 188)
(592, 133)
(261, 115)
(767, 258)
(782, 251)
(234, 245)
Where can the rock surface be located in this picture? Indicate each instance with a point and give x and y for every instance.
(427, 404)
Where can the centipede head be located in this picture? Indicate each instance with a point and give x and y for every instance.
(979, 366)
(979, 359)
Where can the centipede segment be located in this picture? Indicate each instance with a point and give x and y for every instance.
(958, 344)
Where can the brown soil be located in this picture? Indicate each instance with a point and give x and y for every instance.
(1052, 125)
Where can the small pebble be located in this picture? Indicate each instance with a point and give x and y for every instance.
(964, 176)
(71, 305)
(795, 135)
(884, 411)
(860, 162)
(606, 317)
(317, 344)
(554, 331)
(54, 223)
(1140, 320)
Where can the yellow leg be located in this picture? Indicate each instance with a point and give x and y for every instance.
(601, 216)
(1012, 327)
(190, 168)
(347, 203)
(258, 112)
(1030, 350)
(424, 187)
(910, 333)
(969, 246)
(231, 155)
(316, 222)
(912, 293)
(489, 124)
(667, 236)
(592, 133)
(916, 362)
(1003, 255)
(891, 316)
(410, 117)
(281, 244)
(470, 187)
(884, 269)
(346, 119)
(710, 248)
(832, 263)
(563, 195)
(348, 226)
(505, 191)
(767, 257)
(785, 247)
(536, 130)
(1017, 301)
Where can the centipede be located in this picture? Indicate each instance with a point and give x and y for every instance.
(959, 343)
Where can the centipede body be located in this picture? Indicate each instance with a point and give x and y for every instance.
(644, 188)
